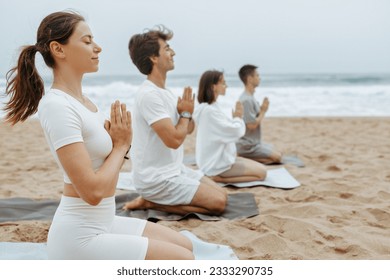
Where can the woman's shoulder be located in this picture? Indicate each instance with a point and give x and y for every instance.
(55, 101)
(215, 112)
(54, 96)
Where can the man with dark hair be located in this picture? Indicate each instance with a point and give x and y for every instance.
(161, 122)
(250, 145)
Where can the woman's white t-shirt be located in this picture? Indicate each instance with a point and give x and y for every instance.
(215, 149)
(65, 121)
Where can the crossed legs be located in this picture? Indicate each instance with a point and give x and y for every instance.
(243, 170)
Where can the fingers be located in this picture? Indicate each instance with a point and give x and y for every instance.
(112, 113)
(239, 106)
(118, 117)
(186, 102)
(187, 94)
(125, 118)
(128, 118)
(116, 112)
(119, 114)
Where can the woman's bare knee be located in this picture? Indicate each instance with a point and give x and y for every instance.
(259, 170)
(160, 250)
(158, 232)
(263, 174)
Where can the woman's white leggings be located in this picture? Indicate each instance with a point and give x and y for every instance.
(81, 231)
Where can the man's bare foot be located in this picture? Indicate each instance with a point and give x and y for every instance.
(138, 204)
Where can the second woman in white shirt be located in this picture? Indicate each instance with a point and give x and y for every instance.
(216, 153)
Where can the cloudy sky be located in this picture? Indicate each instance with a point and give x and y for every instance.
(281, 36)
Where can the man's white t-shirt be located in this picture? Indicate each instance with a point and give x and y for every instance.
(153, 162)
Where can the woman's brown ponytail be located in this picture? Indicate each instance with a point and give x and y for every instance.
(25, 87)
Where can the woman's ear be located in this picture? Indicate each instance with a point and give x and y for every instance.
(213, 88)
(56, 49)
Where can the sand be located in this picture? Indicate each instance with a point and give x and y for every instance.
(341, 211)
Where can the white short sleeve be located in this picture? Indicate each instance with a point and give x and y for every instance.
(62, 124)
(153, 108)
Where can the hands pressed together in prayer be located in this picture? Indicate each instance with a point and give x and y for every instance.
(186, 103)
(119, 127)
(238, 111)
(265, 105)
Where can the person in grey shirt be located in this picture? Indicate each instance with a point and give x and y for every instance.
(250, 145)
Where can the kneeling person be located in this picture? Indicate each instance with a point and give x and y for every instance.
(162, 122)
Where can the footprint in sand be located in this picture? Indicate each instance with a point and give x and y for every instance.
(334, 168)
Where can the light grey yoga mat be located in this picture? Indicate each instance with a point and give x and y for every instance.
(278, 178)
(37, 251)
(240, 205)
(293, 160)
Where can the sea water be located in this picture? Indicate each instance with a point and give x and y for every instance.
(290, 95)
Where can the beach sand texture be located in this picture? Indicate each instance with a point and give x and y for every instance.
(341, 211)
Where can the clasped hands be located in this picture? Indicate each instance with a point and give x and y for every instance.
(119, 126)
(186, 103)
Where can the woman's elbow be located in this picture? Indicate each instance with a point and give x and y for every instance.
(93, 198)
(93, 201)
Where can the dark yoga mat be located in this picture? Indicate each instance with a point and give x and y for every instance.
(240, 205)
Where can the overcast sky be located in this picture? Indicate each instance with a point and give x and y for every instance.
(280, 36)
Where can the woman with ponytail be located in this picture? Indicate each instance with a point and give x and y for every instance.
(88, 149)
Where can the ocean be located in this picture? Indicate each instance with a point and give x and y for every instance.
(290, 95)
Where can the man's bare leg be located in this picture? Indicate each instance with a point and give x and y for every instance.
(274, 157)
